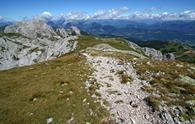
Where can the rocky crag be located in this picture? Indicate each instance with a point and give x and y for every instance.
(33, 41)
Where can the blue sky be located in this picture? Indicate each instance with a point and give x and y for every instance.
(17, 9)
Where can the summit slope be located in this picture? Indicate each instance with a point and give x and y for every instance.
(92, 79)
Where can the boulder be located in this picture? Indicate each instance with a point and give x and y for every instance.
(169, 56)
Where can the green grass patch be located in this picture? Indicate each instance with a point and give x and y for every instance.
(85, 41)
(10, 34)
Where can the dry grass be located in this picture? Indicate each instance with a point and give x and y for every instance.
(154, 102)
(124, 77)
(31, 94)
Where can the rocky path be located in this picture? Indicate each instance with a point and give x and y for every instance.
(125, 101)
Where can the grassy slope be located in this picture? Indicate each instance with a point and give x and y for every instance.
(45, 82)
(165, 46)
(171, 90)
(89, 41)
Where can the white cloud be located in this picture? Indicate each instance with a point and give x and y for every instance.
(46, 14)
(76, 15)
(101, 14)
(190, 14)
(123, 13)
(110, 14)
(185, 15)
(1, 18)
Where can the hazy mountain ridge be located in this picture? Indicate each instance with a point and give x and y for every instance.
(143, 30)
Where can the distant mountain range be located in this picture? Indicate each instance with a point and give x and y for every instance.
(143, 30)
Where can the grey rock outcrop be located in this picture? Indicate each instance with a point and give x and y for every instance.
(169, 56)
(168, 118)
(157, 55)
(154, 54)
(75, 30)
(36, 42)
(31, 29)
(62, 32)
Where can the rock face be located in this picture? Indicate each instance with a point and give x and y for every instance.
(75, 30)
(33, 41)
(31, 29)
(62, 32)
(157, 55)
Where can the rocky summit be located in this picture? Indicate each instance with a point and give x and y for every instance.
(78, 78)
(33, 41)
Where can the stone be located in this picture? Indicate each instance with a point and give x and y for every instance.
(112, 71)
(34, 99)
(71, 119)
(61, 92)
(179, 65)
(49, 120)
(147, 116)
(70, 92)
(133, 104)
(31, 114)
(84, 100)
